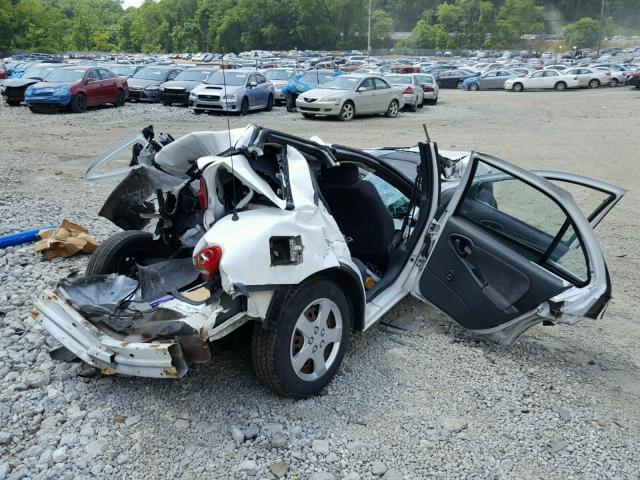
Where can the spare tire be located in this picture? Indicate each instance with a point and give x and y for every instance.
(121, 252)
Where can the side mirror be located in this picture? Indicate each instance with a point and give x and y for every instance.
(361, 89)
(253, 84)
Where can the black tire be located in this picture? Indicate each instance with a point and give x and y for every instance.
(165, 103)
(269, 106)
(459, 84)
(594, 83)
(198, 112)
(517, 87)
(79, 103)
(614, 82)
(347, 111)
(432, 101)
(121, 99)
(273, 342)
(474, 87)
(393, 109)
(244, 106)
(120, 253)
(308, 115)
(560, 87)
(291, 103)
(13, 103)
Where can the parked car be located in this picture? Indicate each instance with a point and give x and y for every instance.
(77, 88)
(619, 74)
(430, 88)
(279, 77)
(13, 88)
(349, 95)
(178, 90)
(126, 71)
(145, 84)
(541, 80)
(634, 79)
(412, 92)
(452, 78)
(238, 91)
(303, 82)
(590, 77)
(336, 237)
(493, 79)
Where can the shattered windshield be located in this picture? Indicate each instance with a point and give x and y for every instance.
(151, 74)
(342, 83)
(62, 75)
(225, 77)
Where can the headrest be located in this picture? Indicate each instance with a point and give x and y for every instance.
(345, 174)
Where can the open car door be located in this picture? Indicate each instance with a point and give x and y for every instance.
(512, 249)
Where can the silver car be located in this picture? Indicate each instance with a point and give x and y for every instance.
(411, 89)
(429, 86)
(349, 95)
(279, 77)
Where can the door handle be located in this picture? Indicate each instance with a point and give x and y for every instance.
(462, 246)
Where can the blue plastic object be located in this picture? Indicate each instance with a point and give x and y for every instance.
(22, 237)
(43, 93)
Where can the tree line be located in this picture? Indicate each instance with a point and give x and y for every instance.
(237, 25)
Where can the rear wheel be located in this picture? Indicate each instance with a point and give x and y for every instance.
(392, 110)
(594, 83)
(79, 103)
(459, 84)
(120, 99)
(13, 103)
(474, 87)
(123, 251)
(560, 87)
(614, 82)
(269, 106)
(298, 349)
(517, 87)
(347, 112)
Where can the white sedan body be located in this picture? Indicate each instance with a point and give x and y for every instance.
(411, 88)
(542, 80)
(588, 77)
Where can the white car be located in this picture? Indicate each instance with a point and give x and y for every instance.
(542, 80)
(304, 243)
(349, 95)
(429, 86)
(619, 73)
(412, 92)
(590, 77)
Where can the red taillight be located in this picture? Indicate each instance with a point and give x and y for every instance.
(207, 261)
(203, 198)
(408, 91)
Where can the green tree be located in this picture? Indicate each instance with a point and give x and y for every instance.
(583, 33)
(516, 18)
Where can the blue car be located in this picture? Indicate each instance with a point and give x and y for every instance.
(303, 82)
(238, 91)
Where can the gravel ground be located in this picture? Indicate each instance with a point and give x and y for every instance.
(563, 402)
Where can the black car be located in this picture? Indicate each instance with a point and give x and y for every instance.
(13, 88)
(178, 89)
(145, 84)
(452, 78)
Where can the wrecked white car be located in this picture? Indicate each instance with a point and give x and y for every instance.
(306, 242)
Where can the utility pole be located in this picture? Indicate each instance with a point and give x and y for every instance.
(369, 33)
(600, 27)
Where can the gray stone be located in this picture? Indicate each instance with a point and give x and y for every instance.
(5, 437)
(556, 447)
(59, 455)
(454, 424)
(378, 468)
(320, 447)
(322, 476)
(251, 432)
(248, 466)
(93, 448)
(237, 435)
(132, 420)
(278, 440)
(37, 380)
(279, 469)
(563, 413)
(393, 474)
(4, 470)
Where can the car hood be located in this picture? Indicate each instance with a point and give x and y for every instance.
(184, 84)
(218, 88)
(20, 82)
(325, 92)
(50, 85)
(141, 83)
(472, 79)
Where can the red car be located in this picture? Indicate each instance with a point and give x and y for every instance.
(77, 88)
(3, 72)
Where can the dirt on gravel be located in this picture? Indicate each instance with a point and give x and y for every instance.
(390, 397)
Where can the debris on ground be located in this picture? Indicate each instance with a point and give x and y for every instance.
(65, 241)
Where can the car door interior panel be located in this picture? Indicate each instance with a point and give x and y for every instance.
(481, 283)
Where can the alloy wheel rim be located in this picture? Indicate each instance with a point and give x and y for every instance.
(316, 339)
(347, 111)
(394, 109)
